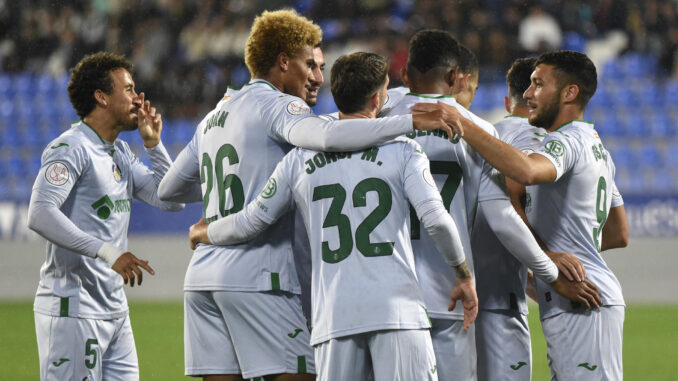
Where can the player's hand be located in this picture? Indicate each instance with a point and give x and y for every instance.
(440, 112)
(465, 291)
(127, 265)
(569, 265)
(149, 123)
(198, 233)
(583, 292)
(531, 287)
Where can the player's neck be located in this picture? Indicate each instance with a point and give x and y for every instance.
(567, 114)
(364, 114)
(521, 111)
(437, 88)
(103, 124)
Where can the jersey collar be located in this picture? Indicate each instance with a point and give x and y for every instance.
(259, 80)
(576, 123)
(92, 134)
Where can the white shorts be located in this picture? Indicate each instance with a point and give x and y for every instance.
(73, 349)
(249, 333)
(585, 345)
(503, 346)
(399, 354)
(455, 349)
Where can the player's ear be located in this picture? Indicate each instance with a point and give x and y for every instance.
(283, 61)
(101, 97)
(569, 93)
(507, 104)
(403, 76)
(374, 101)
(451, 76)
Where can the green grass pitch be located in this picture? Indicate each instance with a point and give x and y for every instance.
(650, 342)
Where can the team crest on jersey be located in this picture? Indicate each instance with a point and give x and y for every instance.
(270, 189)
(297, 107)
(57, 173)
(555, 148)
(116, 173)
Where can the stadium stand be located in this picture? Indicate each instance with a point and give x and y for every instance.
(635, 108)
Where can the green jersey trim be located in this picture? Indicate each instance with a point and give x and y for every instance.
(63, 307)
(515, 116)
(275, 281)
(262, 81)
(301, 364)
(95, 131)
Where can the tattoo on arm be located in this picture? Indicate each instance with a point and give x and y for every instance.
(462, 271)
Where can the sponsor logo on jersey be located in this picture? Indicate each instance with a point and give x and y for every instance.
(519, 365)
(270, 188)
(587, 366)
(297, 107)
(60, 362)
(104, 206)
(555, 148)
(116, 173)
(57, 173)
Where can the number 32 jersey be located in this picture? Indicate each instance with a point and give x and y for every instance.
(355, 208)
(569, 214)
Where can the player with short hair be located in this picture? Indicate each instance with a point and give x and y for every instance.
(502, 333)
(467, 184)
(569, 211)
(244, 298)
(81, 204)
(466, 84)
(368, 311)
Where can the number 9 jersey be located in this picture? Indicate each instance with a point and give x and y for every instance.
(569, 214)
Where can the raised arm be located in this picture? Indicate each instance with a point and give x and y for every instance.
(526, 170)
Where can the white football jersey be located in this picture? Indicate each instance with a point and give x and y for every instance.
(233, 151)
(92, 182)
(500, 277)
(463, 178)
(394, 96)
(356, 211)
(569, 213)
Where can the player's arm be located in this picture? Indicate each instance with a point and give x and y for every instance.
(46, 218)
(526, 170)
(181, 183)
(423, 194)
(258, 215)
(303, 129)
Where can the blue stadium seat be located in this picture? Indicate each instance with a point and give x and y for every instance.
(611, 71)
(623, 156)
(633, 124)
(574, 41)
(606, 123)
(481, 102)
(22, 84)
(650, 155)
(46, 86)
(671, 93)
(672, 154)
(661, 182)
(657, 124)
(651, 94)
(5, 86)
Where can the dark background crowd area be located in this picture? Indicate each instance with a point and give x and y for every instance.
(187, 52)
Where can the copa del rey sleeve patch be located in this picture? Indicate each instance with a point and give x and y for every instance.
(297, 107)
(57, 173)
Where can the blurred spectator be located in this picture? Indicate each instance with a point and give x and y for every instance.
(539, 31)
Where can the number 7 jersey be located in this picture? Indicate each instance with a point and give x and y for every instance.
(569, 214)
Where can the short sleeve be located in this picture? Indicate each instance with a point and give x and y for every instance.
(561, 150)
(617, 199)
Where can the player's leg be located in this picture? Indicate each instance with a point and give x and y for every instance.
(71, 348)
(403, 354)
(455, 349)
(585, 345)
(343, 358)
(269, 333)
(120, 362)
(503, 346)
(208, 347)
